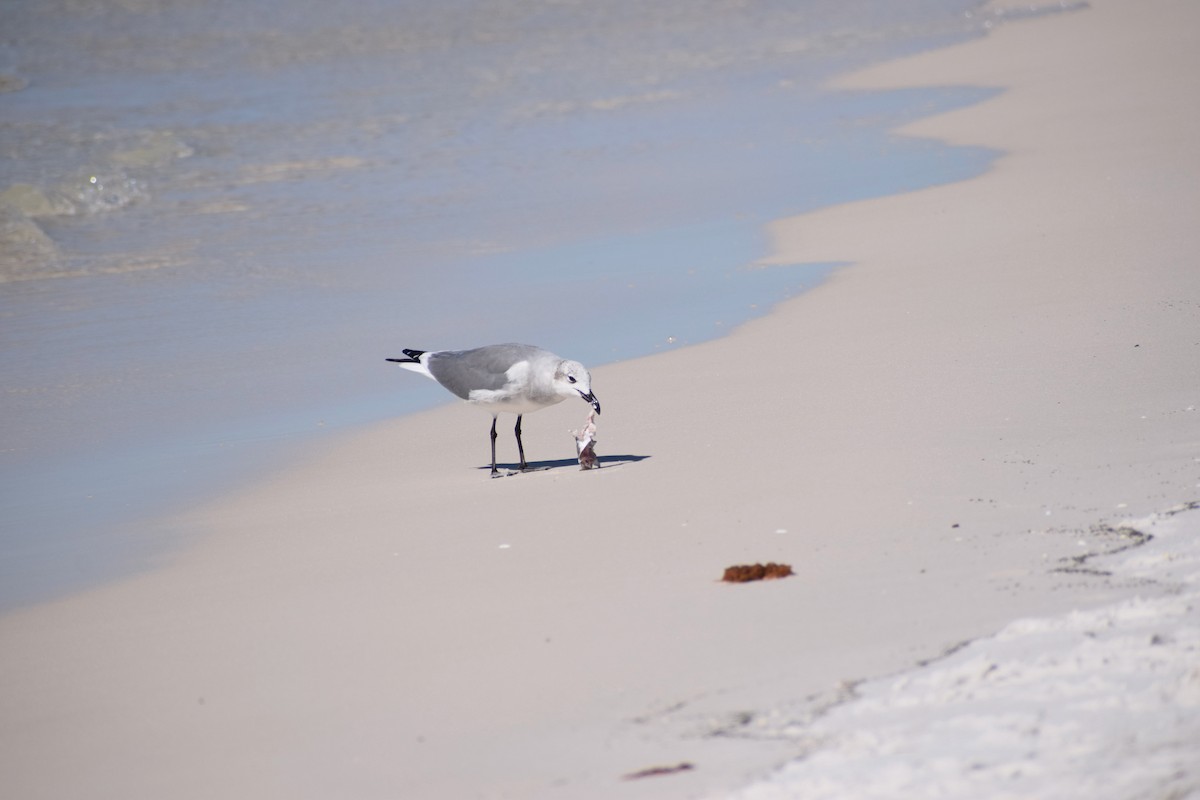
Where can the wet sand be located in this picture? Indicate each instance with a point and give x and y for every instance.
(1005, 373)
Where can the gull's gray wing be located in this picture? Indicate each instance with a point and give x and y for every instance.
(464, 371)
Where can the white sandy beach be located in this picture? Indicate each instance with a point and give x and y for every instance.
(1103, 703)
(1009, 369)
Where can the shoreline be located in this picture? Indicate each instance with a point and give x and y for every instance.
(920, 437)
(250, 312)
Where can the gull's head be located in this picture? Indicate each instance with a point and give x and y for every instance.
(572, 378)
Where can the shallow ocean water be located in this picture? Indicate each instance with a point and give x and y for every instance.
(217, 219)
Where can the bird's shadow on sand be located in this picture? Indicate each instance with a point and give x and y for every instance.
(539, 466)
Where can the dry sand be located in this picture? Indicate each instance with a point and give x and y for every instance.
(1010, 366)
(1102, 704)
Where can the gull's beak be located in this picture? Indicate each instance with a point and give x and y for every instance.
(591, 398)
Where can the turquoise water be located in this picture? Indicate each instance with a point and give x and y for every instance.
(226, 215)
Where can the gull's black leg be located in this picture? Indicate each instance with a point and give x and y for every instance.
(520, 446)
(495, 472)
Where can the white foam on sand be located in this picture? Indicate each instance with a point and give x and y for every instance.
(1098, 704)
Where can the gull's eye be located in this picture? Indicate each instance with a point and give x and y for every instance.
(571, 378)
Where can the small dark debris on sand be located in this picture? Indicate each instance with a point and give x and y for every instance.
(743, 573)
(654, 772)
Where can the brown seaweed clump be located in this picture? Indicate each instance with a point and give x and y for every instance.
(743, 573)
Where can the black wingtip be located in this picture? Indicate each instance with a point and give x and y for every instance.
(414, 357)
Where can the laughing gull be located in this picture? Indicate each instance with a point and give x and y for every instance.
(514, 378)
